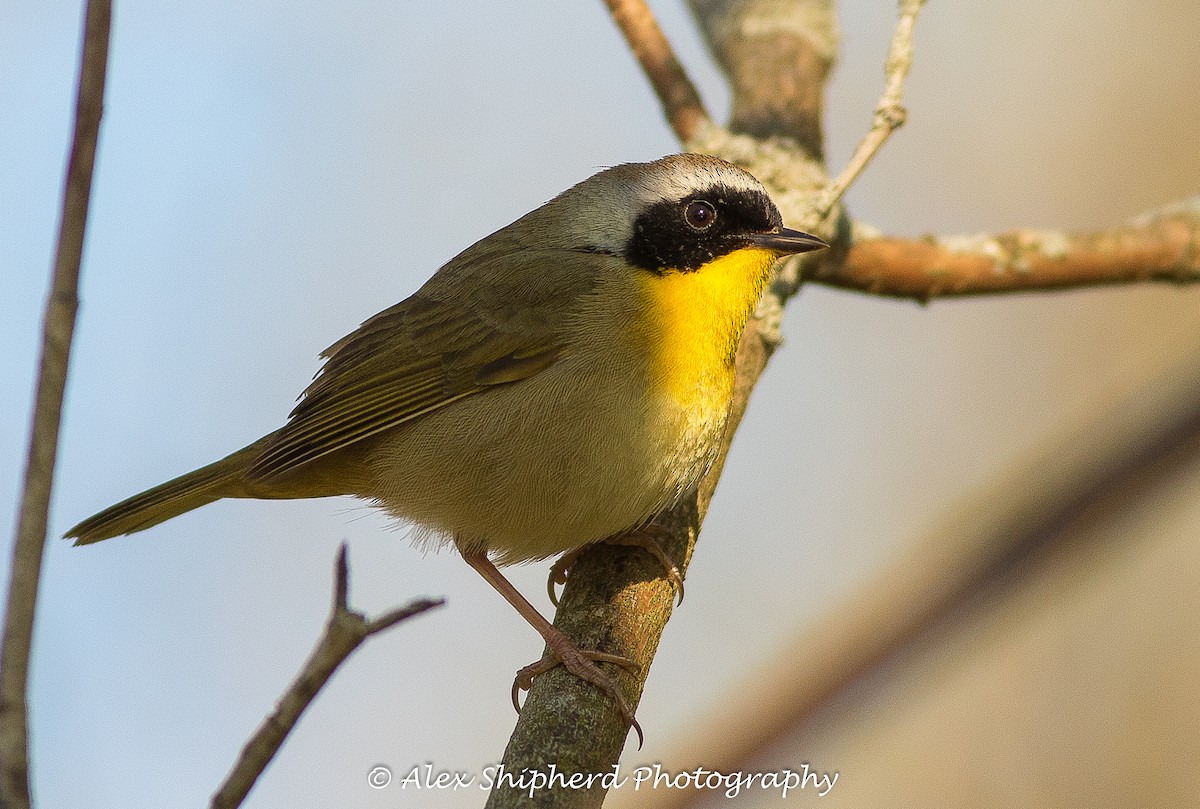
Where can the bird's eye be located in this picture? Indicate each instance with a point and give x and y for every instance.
(700, 214)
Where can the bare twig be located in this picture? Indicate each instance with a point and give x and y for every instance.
(681, 103)
(344, 632)
(58, 329)
(889, 114)
(1163, 246)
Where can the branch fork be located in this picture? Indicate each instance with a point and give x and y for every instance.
(344, 632)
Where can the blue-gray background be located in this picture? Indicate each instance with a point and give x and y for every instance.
(271, 174)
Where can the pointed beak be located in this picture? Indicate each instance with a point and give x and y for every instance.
(786, 241)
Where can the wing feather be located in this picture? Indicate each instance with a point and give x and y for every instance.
(458, 335)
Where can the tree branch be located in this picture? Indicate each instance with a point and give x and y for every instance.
(58, 329)
(681, 103)
(889, 113)
(1160, 246)
(777, 57)
(344, 632)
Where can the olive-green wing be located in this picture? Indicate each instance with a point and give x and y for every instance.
(460, 334)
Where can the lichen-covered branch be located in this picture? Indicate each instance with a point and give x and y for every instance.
(777, 57)
(58, 329)
(681, 103)
(1162, 246)
(344, 632)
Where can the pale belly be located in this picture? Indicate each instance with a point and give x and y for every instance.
(547, 464)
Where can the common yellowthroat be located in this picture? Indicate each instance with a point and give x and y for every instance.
(560, 382)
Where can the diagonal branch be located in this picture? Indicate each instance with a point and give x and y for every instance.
(344, 632)
(681, 103)
(889, 114)
(1161, 246)
(58, 329)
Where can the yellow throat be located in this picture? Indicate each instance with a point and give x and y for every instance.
(694, 320)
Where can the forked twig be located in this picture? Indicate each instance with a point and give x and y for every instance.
(344, 632)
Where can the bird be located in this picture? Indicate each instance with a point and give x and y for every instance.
(559, 383)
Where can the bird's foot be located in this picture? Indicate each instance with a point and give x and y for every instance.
(582, 664)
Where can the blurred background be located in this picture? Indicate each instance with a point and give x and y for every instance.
(270, 175)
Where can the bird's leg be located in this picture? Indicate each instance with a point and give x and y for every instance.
(645, 537)
(563, 651)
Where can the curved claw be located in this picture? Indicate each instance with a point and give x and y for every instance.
(524, 679)
(633, 723)
(559, 571)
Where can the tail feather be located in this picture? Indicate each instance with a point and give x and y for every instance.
(224, 478)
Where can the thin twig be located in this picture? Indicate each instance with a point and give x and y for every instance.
(889, 114)
(58, 329)
(681, 103)
(344, 632)
(1162, 247)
